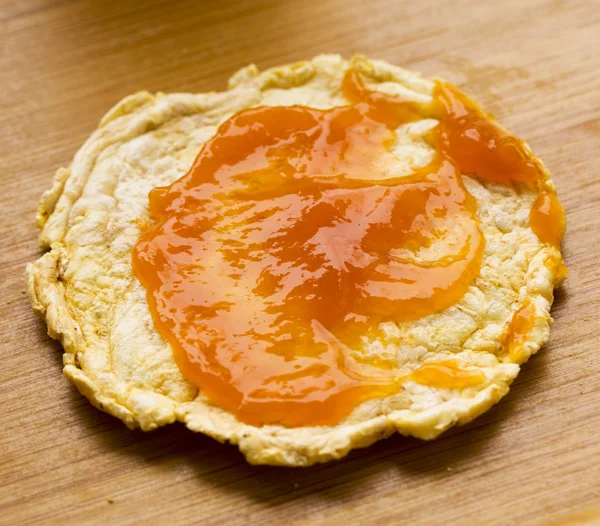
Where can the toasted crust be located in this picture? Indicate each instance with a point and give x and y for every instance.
(92, 303)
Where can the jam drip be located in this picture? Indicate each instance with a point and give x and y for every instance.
(518, 330)
(547, 218)
(291, 240)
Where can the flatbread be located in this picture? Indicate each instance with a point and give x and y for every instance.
(93, 304)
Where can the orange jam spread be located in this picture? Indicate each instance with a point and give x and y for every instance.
(291, 239)
(446, 374)
(547, 218)
(518, 330)
(478, 145)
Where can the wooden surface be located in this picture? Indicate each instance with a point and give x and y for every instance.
(533, 460)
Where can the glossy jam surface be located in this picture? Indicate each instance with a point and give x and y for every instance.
(291, 239)
(518, 331)
(547, 218)
(446, 374)
(478, 145)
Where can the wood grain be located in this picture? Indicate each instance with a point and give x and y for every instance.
(532, 460)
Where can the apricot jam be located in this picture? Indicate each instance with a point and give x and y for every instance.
(519, 328)
(291, 239)
(547, 218)
(446, 374)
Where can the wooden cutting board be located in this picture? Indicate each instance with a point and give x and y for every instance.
(533, 460)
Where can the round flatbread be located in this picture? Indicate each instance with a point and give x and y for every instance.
(86, 290)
